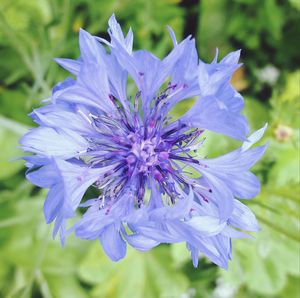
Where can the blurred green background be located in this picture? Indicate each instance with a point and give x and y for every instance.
(32, 32)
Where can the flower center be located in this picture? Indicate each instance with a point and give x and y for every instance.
(143, 154)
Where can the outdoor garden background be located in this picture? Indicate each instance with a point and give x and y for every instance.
(32, 32)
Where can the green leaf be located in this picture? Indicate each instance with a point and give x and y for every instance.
(9, 136)
(286, 167)
(30, 253)
(257, 270)
(211, 33)
(272, 17)
(202, 279)
(150, 274)
(256, 112)
(295, 4)
(291, 289)
(22, 14)
(286, 103)
(13, 126)
(180, 254)
(264, 263)
(65, 286)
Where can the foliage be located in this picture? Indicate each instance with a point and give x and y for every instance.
(34, 265)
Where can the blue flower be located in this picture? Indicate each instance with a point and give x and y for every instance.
(92, 134)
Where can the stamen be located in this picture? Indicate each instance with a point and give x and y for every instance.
(183, 158)
(84, 116)
(176, 129)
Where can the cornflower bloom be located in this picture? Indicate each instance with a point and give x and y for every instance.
(137, 158)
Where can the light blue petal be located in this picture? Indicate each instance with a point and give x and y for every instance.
(34, 161)
(73, 66)
(147, 71)
(233, 233)
(45, 176)
(179, 210)
(54, 202)
(210, 82)
(244, 185)
(224, 246)
(68, 82)
(206, 225)
(67, 119)
(219, 105)
(221, 194)
(51, 142)
(118, 80)
(76, 180)
(205, 245)
(157, 233)
(215, 60)
(141, 242)
(139, 65)
(185, 68)
(90, 49)
(58, 225)
(68, 189)
(184, 73)
(155, 198)
(232, 58)
(113, 244)
(212, 114)
(172, 35)
(194, 254)
(95, 219)
(91, 88)
(231, 99)
(253, 138)
(236, 161)
(243, 218)
(115, 31)
(129, 40)
(92, 224)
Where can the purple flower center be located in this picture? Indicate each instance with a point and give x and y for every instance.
(142, 147)
(144, 151)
